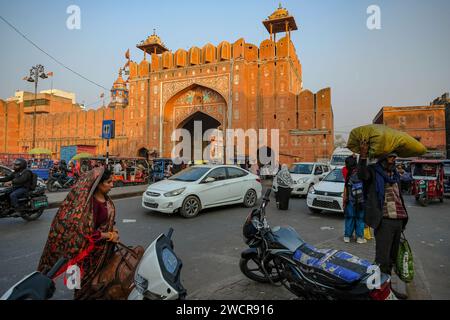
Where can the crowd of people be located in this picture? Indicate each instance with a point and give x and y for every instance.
(372, 199)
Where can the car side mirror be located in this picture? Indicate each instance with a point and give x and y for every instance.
(209, 180)
(321, 178)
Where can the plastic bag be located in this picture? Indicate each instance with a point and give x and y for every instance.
(367, 233)
(404, 266)
(383, 140)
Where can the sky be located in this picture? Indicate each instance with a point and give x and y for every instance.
(406, 62)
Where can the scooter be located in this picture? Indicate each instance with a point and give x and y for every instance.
(279, 256)
(157, 276)
(57, 182)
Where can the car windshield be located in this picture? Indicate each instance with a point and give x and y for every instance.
(335, 176)
(190, 174)
(301, 168)
(338, 160)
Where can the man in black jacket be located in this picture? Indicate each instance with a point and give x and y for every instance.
(384, 207)
(21, 179)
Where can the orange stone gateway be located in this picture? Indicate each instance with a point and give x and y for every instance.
(229, 86)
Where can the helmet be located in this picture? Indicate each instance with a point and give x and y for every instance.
(20, 165)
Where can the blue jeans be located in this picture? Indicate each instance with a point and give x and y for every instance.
(16, 195)
(354, 221)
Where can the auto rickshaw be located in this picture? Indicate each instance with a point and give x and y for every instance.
(160, 168)
(136, 171)
(428, 180)
(446, 164)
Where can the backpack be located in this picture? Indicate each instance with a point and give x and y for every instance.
(356, 190)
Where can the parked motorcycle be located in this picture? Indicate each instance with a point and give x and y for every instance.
(157, 276)
(31, 206)
(279, 256)
(56, 182)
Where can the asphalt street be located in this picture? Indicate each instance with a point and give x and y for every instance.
(210, 244)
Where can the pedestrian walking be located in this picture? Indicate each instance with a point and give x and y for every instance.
(353, 202)
(284, 184)
(385, 210)
(83, 230)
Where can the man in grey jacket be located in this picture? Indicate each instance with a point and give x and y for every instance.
(384, 207)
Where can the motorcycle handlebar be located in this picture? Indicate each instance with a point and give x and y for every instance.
(54, 270)
(267, 194)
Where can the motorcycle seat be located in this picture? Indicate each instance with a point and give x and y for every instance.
(334, 267)
(32, 193)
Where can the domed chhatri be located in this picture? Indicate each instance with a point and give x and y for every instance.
(280, 21)
(119, 92)
(153, 44)
(279, 13)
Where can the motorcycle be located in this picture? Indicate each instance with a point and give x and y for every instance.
(157, 276)
(57, 182)
(279, 256)
(31, 205)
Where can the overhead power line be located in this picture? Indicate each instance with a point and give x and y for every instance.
(50, 56)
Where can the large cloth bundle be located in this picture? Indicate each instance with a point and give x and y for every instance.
(383, 140)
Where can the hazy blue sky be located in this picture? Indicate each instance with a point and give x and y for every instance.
(407, 62)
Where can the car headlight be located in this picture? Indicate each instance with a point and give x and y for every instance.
(174, 193)
(312, 191)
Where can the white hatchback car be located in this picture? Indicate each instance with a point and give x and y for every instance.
(200, 187)
(328, 194)
(306, 175)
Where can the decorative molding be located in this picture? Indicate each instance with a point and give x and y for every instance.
(221, 84)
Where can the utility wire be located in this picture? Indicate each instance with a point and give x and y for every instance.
(50, 56)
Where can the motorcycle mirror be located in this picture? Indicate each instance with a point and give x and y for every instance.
(169, 233)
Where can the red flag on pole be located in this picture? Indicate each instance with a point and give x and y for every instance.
(50, 74)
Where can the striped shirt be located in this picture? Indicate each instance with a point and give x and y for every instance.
(393, 206)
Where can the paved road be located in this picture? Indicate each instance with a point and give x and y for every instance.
(210, 246)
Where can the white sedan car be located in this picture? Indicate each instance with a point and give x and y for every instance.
(327, 194)
(200, 187)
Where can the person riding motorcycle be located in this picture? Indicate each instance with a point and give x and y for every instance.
(21, 179)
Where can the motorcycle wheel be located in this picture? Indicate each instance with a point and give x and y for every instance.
(251, 269)
(51, 186)
(34, 215)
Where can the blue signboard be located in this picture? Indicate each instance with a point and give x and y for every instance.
(108, 129)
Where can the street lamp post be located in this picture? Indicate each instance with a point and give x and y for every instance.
(36, 72)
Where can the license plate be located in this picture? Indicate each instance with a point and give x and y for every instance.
(324, 199)
(40, 203)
